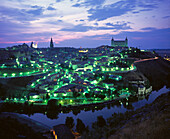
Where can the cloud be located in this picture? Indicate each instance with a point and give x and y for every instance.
(8, 27)
(120, 8)
(58, 0)
(38, 37)
(22, 14)
(166, 17)
(35, 6)
(109, 24)
(148, 28)
(76, 5)
(116, 9)
(50, 8)
(96, 24)
(119, 26)
(78, 28)
(135, 12)
(54, 22)
(83, 28)
(143, 10)
(14, 13)
(87, 3)
(93, 2)
(148, 6)
(35, 12)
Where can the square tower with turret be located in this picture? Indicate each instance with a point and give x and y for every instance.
(119, 43)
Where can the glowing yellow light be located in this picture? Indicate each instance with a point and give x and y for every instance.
(83, 51)
(13, 74)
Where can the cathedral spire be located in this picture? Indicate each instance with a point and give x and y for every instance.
(112, 42)
(126, 40)
(51, 43)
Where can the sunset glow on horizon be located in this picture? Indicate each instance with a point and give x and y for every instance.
(86, 23)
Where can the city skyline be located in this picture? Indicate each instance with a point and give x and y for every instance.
(86, 23)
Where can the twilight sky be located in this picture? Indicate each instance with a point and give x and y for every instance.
(86, 23)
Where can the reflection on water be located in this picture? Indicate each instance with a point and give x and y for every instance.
(88, 117)
(149, 99)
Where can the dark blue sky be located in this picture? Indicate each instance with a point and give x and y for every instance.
(86, 23)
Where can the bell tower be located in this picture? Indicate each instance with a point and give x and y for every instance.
(51, 43)
(126, 41)
(112, 42)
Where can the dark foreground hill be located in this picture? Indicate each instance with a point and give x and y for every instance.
(149, 122)
(157, 71)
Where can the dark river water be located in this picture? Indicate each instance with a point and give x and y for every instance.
(88, 117)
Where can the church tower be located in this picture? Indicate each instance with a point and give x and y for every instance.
(126, 41)
(51, 43)
(112, 42)
(31, 45)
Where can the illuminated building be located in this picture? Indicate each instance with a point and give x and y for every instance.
(33, 45)
(120, 43)
(83, 51)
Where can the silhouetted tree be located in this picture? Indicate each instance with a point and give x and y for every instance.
(69, 122)
(80, 127)
(101, 121)
(47, 96)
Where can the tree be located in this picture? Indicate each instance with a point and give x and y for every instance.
(80, 127)
(101, 121)
(101, 96)
(28, 97)
(53, 104)
(75, 94)
(87, 95)
(47, 96)
(69, 122)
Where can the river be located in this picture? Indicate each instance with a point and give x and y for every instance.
(88, 117)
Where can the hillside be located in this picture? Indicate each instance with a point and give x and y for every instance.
(157, 71)
(151, 121)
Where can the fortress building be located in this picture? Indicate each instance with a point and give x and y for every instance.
(121, 43)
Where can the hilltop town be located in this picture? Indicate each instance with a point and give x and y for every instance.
(72, 76)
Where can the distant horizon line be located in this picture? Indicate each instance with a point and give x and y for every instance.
(82, 47)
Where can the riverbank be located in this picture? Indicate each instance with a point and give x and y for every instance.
(119, 125)
(14, 125)
(157, 71)
(150, 121)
